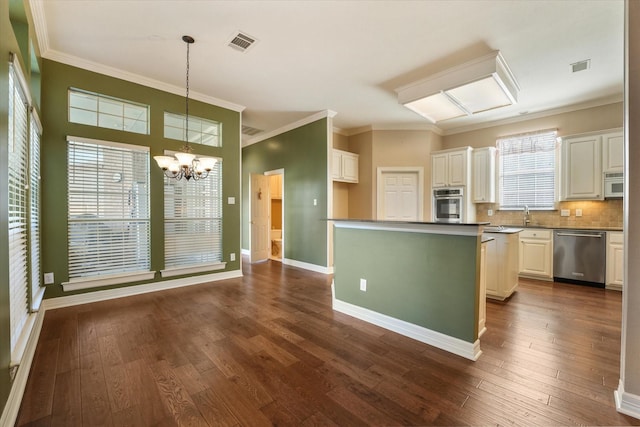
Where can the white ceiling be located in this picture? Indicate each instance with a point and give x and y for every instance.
(345, 56)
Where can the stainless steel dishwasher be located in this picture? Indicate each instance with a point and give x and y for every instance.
(579, 256)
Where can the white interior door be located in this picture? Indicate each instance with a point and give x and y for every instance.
(398, 196)
(260, 221)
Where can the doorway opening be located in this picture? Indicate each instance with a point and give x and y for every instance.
(276, 214)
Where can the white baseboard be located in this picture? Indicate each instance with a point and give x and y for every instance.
(627, 403)
(89, 297)
(307, 266)
(12, 407)
(245, 252)
(445, 342)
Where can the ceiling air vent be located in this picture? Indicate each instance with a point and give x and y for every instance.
(248, 130)
(581, 66)
(241, 41)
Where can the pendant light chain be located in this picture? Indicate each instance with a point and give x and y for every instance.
(186, 130)
(184, 164)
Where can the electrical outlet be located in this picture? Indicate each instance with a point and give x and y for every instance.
(490, 212)
(232, 257)
(578, 212)
(565, 212)
(231, 200)
(315, 202)
(363, 285)
(48, 279)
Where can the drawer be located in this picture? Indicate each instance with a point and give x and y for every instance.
(616, 237)
(536, 233)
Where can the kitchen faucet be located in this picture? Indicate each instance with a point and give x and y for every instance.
(527, 217)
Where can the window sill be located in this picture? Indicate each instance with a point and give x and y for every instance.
(181, 271)
(113, 279)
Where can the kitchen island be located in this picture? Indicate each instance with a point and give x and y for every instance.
(418, 279)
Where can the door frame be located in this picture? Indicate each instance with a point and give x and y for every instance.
(419, 170)
(269, 173)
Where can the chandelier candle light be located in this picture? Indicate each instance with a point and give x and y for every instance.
(184, 164)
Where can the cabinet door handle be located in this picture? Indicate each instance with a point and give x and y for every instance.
(579, 235)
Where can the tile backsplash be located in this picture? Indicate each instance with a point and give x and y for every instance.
(595, 214)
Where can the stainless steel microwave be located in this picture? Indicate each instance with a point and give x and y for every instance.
(613, 185)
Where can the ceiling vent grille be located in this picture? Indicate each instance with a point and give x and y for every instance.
(248, 130)
(241, 41)
(581, 66)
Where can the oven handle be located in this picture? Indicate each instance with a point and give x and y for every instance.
(599, 236)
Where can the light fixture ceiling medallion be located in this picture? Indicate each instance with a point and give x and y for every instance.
(475, 86)
(184, 164)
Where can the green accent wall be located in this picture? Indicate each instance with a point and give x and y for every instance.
(57, 78)
(16, 35)
(430, 280)
(302, 153)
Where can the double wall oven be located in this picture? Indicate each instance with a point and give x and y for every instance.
(448, 204)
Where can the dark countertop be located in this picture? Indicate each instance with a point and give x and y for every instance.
(376, 221)
(545, 227)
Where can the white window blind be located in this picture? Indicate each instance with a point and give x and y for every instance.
(18, 204)
(528, 170)
(108, 216)
(193, 221)
(201, 131)
(37, 291)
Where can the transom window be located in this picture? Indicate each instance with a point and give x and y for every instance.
(94, 109)
(201, 131)
(528, 171)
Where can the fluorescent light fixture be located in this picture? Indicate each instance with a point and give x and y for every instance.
(475, 86)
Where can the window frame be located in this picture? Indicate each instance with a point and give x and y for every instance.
(103, 114)
(195, 136)
(175, 269)
(85, 281)
(556, 171)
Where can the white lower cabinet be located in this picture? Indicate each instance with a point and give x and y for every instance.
(536, 253)
(502, 265)
(615, 260)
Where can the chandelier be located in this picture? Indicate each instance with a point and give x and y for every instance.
(185, 164)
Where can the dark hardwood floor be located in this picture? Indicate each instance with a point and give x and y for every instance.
(267, 349)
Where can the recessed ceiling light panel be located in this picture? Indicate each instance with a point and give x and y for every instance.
(475, 86)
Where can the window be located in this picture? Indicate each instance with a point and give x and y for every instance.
(18, 159)
(528, 170)
(94, 109)
(193, 224)
(37, 291)
(23, 161)
(201, 131)
(108, 218)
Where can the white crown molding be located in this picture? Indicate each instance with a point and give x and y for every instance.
(136, 78)
(398, 127)
(40, 24)
(304, 121)
(538, 115)
(340, 131)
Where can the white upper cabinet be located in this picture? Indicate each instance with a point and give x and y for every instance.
(344, 166)
(612, 152)
(451, 168)
(484, 175)
(582, 168)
